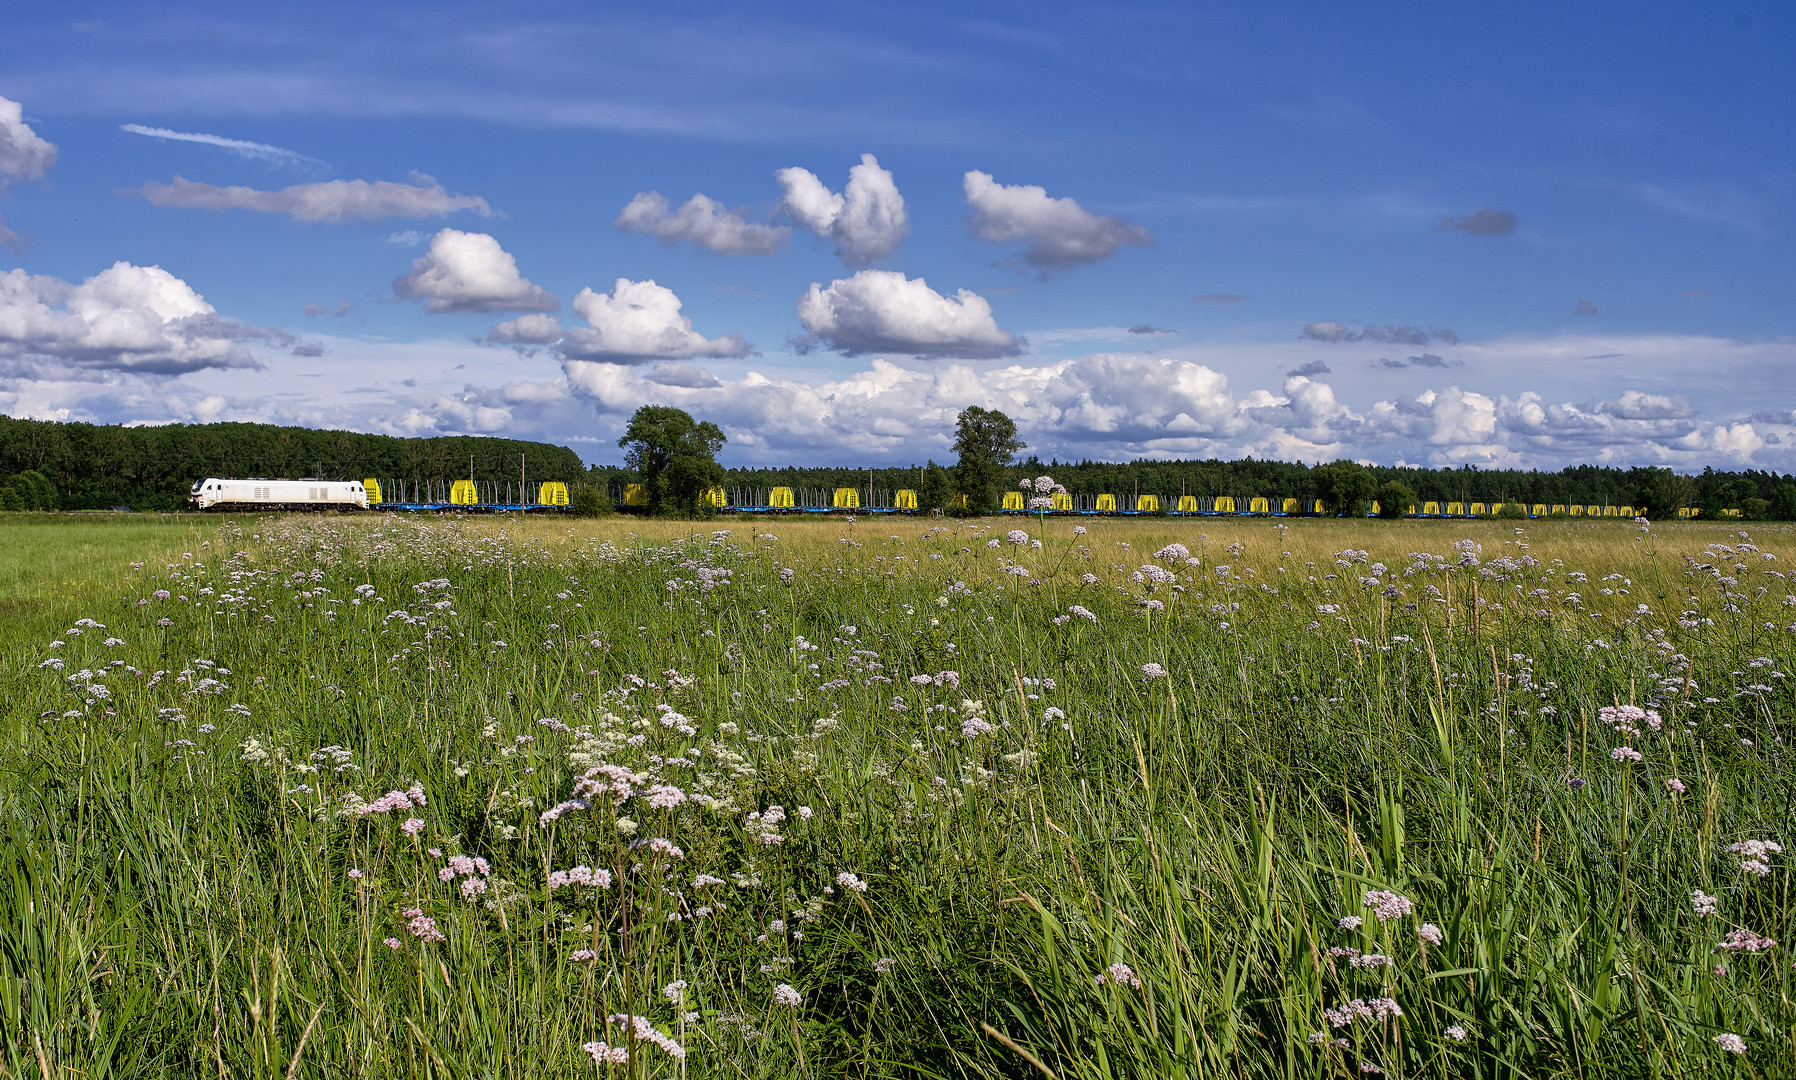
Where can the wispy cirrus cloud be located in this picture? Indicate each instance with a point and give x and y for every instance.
(1391, 335)
(243, 148)
(1426, 360)
(331, 201)
(1721, 204)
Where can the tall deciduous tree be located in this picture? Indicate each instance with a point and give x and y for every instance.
(987, 443)
(933, 495)
(30, 490)
(1344, 487)
(675, 455)
(1395, 498)
(1660, 492)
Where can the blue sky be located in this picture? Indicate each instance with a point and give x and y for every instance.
(1534, 234)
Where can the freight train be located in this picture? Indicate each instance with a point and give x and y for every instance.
(219, 494)
(216, 493)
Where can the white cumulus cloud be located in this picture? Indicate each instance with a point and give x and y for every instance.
(638, 322)
(470, 272)
(128, 318)
(681, 373)
(24, 155)
(527, 330)
(1059, 233)
(1634, 405)
(1109, 406)
(1738, 441)
(884, 311)
(867, 220)
(702, 220)
(465, 412)
(1512, 404)
(1307, 412)
(331, 201)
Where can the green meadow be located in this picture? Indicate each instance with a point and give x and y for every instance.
(389, 796)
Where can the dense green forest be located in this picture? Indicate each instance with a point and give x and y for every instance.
(46, 465)
(93, 466)
(1758, 495)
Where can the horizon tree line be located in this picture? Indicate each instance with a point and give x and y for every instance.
(48, 465)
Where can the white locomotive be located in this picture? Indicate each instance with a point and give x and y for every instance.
(214, 493)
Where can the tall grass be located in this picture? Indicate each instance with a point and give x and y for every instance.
(916, 815)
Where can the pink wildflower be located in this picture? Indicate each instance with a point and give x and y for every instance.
(465, 866)
(581, 875)
(422, 926)
(1746, 941)
(1388, 905)
(1119, 974)
(603, 1054)
(646, 1032)
(665, 796)
(1377, 1009)
(553, 813)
